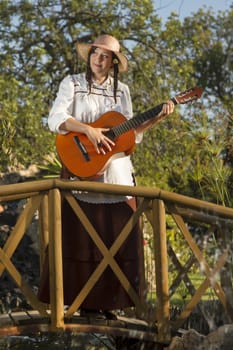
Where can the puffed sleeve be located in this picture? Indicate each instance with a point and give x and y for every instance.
(63, 105)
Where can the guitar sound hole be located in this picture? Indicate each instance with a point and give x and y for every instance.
(110, 134)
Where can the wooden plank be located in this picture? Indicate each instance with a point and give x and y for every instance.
(34, 314)
(28, 317)
(124, 332)
(134, 323)
(24, 329)
(35, 317)
(20, 323)
(5, 320)
(120, 322)
(19, 316)
(80, 328)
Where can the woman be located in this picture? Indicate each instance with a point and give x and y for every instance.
(81, 100)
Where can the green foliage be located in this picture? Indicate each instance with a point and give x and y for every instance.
(23, 137)
(51, 166)
(195, 52)
(191, 151)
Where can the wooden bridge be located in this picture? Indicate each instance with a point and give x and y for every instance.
(162, 212)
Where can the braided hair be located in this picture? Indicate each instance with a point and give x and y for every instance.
(115, 62)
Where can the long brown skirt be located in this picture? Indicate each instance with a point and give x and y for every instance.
(81, 256)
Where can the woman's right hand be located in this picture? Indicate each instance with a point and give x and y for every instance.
(96, 135)
(100, 141)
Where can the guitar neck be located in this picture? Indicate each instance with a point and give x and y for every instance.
(134, 122)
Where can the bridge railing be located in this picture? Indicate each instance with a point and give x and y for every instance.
(158, 207)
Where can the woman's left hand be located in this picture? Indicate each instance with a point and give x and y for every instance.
(168, 108)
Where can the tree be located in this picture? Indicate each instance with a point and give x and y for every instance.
(38, 49)
(199, 161)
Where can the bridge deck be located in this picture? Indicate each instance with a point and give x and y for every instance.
(29, 322)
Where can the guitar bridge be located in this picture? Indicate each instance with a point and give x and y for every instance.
(82, 148)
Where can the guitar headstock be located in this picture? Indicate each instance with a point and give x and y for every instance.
(189, 95)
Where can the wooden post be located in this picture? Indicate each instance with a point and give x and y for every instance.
(161, 270)
(43, 229)
(55, 261)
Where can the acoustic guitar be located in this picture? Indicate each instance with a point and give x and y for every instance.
(78, 154)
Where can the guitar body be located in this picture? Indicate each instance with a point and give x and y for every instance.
(78, 154)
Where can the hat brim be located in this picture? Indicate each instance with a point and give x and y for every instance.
(84, 49)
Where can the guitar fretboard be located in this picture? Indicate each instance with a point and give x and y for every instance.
(138, 120)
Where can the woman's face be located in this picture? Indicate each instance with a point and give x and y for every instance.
(100, 62)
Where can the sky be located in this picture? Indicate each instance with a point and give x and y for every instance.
(185, 8)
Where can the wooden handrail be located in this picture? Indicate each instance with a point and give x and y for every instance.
(33, 187)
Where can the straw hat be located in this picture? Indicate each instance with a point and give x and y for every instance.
(106, 42)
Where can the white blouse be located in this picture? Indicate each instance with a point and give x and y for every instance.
(75, 100)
